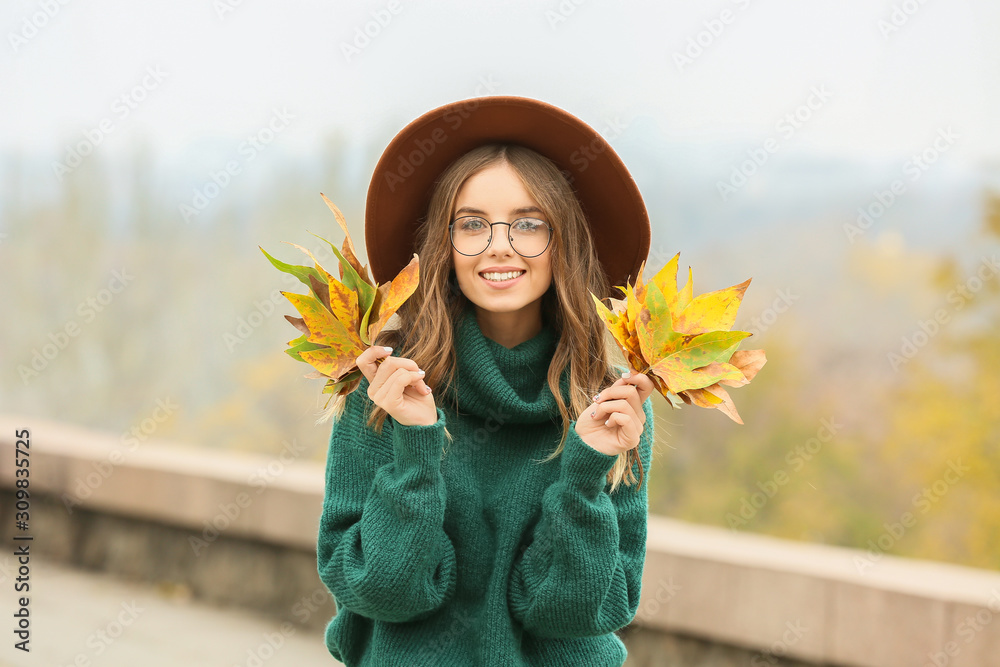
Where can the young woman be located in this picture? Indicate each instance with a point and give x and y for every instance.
(499, 516)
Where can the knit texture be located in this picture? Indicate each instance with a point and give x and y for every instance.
(468, 552)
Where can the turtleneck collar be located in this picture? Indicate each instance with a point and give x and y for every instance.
(505, 383)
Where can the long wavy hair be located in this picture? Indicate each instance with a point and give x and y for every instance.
(584, 342)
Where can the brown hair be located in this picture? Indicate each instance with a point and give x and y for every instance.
(584, 343)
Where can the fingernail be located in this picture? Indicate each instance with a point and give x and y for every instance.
(626, 374)
(596, 397)
(607, 422)
(428, 390)
(388, 349)
(594, 413)
(420, 372)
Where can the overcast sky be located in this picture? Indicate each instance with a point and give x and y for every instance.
(226, 65)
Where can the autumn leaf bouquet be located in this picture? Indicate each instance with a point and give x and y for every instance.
(340, 317)
(683, 342)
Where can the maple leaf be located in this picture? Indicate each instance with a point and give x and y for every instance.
(340, 317)
(682, 341)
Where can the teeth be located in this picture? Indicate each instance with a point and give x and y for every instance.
(499, 277)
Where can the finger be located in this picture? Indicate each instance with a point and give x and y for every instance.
(366, 361)
(392, 389)
(403, 374)
(627, 391)
(603, 410)
(388, 366)
(629, 432)
(642, 382)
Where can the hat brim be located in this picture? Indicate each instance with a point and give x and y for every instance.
(404, 177)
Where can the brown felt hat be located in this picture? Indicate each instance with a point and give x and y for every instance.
(404, 177)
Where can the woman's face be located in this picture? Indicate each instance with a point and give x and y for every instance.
(496, 194)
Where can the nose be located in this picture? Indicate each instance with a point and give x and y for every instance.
(504, 240)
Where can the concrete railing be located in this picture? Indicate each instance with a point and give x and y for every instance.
(241, 529)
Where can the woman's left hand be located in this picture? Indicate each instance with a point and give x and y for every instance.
(613, 423)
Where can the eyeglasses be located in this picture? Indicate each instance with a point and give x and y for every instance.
(471, 235)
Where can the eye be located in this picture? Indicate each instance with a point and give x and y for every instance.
(528, 225)
(472, 224)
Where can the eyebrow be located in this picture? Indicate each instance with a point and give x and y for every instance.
(516, 211)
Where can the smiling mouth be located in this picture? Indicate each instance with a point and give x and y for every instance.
(507, 275)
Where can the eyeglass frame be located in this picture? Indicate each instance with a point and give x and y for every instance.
(510, 240)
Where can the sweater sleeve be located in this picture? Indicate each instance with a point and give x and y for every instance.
(382, 550)
(581, 571)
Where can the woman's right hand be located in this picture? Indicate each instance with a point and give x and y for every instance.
(397, 386)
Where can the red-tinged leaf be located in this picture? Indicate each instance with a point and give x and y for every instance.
(299, 324)
(331, 361)
(348, 384)
(349, 252)
(749, 362)
(617, 305)
(719, 371)
(726, 407)
(344, 305)
(323, 326)
(400, 289)
(353, 281)
(701, 398)
(321, 291)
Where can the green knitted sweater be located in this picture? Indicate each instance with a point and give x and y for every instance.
(468, 552)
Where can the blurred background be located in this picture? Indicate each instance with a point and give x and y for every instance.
(770, 150)
(846, 156)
